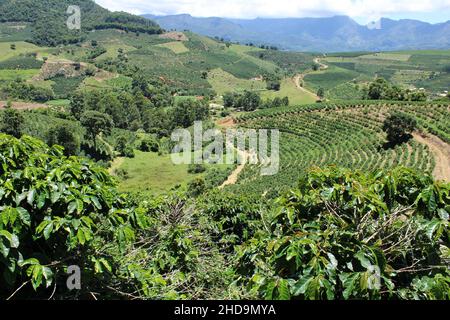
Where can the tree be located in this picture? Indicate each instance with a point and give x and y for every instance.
(321, 93)
(95, 123)
(229, 100)
(157, 121)
(12, 122)
(121, 145)
(186, 112)
(149, 145)
(77, 105)
(274, 85)
(398, 127)
(196, 187)
(66, 137)
(111, 105)
(381, 89)
(13, 46)
(377, 89)
(19, 89)
(250, 101)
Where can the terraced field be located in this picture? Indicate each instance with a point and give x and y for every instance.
(348, 135)
(419, 69)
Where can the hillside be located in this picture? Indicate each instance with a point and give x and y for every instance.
(334, 34)
(97, 204)
(45, 20)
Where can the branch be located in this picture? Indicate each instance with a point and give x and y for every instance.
(18, 289)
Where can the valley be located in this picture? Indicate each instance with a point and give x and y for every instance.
(92, 119)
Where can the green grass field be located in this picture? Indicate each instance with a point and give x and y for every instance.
(176, 46)
(10, 75)
(21, 48)
(223, 82)
(151, 173)
(288, 89)
(59, 103)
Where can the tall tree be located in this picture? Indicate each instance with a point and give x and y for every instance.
(95, 123)
(66, 137)
(12, 122)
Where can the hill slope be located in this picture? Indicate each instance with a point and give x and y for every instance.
(46, 19)
(338, 33)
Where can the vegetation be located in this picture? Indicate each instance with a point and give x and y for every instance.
(96, 123)
(12, 122)
(380, 89)
(348, 135)
(399, 127)
(332, 238)
(54, 225)
(389, 245)
(66, 137)
(21, 90)
(49, 22)
(87, 178)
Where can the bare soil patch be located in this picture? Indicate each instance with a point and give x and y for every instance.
(233, 177)
(441, 152)
(177, 36)
(24, 105)
(226, 123)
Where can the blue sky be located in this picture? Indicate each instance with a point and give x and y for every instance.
(361, 10)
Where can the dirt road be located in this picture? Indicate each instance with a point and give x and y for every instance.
(298, 79)
(441, 152)
(24, 105)
(233, 178)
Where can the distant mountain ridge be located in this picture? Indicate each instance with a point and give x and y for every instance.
(333, 34)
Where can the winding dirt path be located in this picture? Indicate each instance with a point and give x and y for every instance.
(441, 152)
(322, 65)
(297, 81)
(299, 78)
(233, 177)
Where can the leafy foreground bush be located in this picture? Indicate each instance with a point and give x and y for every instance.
(57, 212)
(345, 235)
(340, 235)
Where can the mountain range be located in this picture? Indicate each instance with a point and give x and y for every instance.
(331, 34)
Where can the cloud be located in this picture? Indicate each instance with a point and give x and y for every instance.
(279, 8)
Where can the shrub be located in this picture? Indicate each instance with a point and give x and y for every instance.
(55, 214)
(149, 145)
(196, 168)
(398, 127)
(129, 152)
(347, 235)
(24, 91)
(12, 122)
(66, 137)
(196, 187)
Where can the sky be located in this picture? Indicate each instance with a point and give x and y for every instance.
(363, 11)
